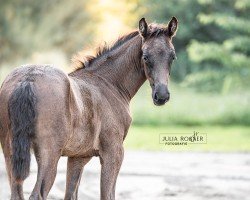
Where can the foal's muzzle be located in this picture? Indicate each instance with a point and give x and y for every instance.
(160, 94)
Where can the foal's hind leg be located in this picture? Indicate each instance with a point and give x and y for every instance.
(74, 173)
(47, 157)
(5, 143)
(16, 186)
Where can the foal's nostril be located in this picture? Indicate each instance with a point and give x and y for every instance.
(168, 96)
(156, 97)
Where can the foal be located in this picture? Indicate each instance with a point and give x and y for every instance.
(82, 114)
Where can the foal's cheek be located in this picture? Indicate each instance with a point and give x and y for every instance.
(150, 71)
(147, 72)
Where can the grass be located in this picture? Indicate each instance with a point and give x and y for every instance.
(190, 108)
(219, 138)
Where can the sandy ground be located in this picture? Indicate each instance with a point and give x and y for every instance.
(157, 176)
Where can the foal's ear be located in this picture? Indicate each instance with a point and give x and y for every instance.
(143, 27)
(172, 27)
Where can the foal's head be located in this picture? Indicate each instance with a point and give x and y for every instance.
(158, 54)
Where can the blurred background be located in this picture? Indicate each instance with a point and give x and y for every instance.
(210, 80)
(210, 92)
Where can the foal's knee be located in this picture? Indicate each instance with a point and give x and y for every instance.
(112, 156)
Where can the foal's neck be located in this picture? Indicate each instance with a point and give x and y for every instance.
(122, 68)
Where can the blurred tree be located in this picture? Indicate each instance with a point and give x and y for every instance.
(114, 18)
(225, 56)
(27, 26)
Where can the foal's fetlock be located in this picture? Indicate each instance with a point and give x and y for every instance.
(36, 197)
(17, 191)
(71, 198)
(16, 198)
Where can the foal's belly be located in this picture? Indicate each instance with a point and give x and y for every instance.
(82, 144)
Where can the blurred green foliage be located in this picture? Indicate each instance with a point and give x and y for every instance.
(28, 26)
(230, 52)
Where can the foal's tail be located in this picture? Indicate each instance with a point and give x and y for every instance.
(22, 113)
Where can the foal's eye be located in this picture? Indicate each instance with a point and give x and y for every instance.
(173, 57)
(145, 58)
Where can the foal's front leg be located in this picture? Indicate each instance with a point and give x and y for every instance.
(111, 160)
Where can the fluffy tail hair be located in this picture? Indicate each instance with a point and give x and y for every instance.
(22, 113)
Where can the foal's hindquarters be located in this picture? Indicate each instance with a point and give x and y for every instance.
(34, 113)
(58, 115)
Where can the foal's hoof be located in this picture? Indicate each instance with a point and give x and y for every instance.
(16, 198)
(35, 197)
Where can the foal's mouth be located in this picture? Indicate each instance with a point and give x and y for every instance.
(160, 102)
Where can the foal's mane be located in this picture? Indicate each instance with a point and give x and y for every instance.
(80, 60)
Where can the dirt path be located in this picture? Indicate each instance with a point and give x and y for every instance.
(158, 176)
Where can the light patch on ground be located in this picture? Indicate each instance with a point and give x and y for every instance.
(157, 175)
